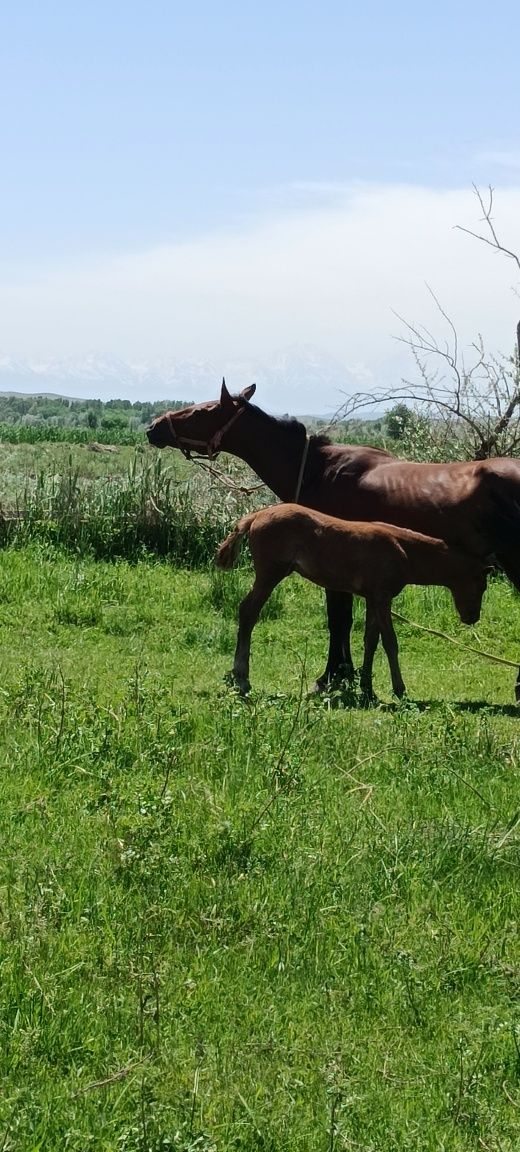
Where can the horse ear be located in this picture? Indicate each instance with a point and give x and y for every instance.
(248, 392)
(225, 398)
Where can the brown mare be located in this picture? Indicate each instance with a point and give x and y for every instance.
(371, 560)
(475, 504)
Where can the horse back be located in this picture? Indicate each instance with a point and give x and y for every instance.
(455, 501)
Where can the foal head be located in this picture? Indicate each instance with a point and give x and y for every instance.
(199, 427)
(468, 590)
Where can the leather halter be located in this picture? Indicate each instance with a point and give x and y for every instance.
(211, 447)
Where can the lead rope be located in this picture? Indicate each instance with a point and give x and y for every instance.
(457, 643)
(302, 467)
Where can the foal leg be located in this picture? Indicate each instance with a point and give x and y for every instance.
(390, 645)
(370, 645)
(248, 614)
(339, 619)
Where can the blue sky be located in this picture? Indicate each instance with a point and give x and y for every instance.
(132, 129)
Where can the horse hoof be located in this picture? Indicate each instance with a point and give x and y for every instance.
(334, 681)
(243, 687)
(367, 695)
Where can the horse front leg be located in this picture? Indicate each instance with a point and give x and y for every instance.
(339, 619)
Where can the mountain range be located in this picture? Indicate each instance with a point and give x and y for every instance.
(296, 380)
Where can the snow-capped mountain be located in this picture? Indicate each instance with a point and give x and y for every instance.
(296, 379)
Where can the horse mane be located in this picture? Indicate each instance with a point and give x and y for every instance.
(291, 425)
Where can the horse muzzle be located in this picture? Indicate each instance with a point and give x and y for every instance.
(160, 434)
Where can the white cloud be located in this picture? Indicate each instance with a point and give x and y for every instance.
(508, 158)
(327, 274)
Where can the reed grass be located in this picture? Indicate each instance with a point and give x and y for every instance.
(150, 508)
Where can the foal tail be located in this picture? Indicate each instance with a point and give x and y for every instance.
(228, 552)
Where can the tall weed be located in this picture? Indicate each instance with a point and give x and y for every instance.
(148, 510)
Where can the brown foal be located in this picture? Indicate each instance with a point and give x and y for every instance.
(375, 561)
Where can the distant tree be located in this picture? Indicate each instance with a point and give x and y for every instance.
(398, 421)
(113, 422)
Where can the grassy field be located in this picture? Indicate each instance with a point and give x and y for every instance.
(20, 464)
(24, 467)
(250, 925)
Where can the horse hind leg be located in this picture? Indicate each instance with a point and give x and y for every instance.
(371, 640)
(509, 561)
(339, 661)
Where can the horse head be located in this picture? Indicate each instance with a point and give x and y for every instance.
(199, 427)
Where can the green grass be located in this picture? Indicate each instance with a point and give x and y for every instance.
(43, 434)
(266, 924)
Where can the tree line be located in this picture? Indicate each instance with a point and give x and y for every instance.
(38, 417)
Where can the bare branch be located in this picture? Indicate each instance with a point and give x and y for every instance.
(494, 242)
(461, 403)
(458, 409)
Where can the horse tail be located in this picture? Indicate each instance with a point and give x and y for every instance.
(229, 550)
